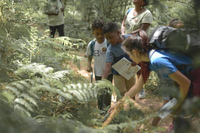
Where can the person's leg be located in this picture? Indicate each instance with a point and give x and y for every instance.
(157, 119)
(60, 29)
(52, 31)
(119, 83)
(130, 83)
(100, 97)
(107, 96)
(166, 87)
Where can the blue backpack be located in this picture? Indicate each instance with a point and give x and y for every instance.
(92, 46)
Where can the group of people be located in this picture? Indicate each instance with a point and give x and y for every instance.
(135, 19)
(131, 42)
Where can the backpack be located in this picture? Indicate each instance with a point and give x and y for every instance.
(92, 46)
(128, 11)
(186, 41)
(182, 40)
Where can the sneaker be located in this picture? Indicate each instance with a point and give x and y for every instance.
(141, 94)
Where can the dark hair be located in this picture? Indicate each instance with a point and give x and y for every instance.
(139, 41)
(97, 24)
(174, 22)
(146, 2)
(110, 27)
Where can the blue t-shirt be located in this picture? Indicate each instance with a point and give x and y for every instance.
(165, 63)
(114, 53)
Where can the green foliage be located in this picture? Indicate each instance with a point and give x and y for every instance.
(40, 92)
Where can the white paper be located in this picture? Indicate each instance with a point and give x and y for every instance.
(124, 68)
(166, 109)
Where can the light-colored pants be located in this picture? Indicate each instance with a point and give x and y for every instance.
(122, 84)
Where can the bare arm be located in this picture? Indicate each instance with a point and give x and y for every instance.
(123, 28)
(52, 13)
(184, 83)
(136, 88)
(106, 70)
(63, 6)
(89, 62)
(143, 26)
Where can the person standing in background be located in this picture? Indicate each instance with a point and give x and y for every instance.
(136, 19)
(56, 17)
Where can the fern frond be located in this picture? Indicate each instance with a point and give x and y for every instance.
(84, 93)
(22, 110)
(60, 74)
(77, 94)
(27, 85)
(13, 89)
(18, 86)
(24, 103)
(29, 98)
(107, 84)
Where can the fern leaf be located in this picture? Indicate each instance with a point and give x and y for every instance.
(22, 110)
(10, 97)
(65, 95)
(89, 90)
(24, 103)
(48, 70)
(77, 94)
(31, 82)
(30, 99)
(18, 86)
(25, 84)
(13, 89)
(60, 74)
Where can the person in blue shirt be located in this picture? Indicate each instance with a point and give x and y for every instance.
(165, 63)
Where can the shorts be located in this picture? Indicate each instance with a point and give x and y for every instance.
(122, 84)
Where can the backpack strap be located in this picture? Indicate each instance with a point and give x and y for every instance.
(92, 46)
(128, 11)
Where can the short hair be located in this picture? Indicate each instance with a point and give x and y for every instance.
(110, 27)
(139, 41)
(97, 24)
(146, 2)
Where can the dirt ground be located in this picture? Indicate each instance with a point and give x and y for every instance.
(148, 101)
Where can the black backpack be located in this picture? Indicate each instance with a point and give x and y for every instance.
(182, 40)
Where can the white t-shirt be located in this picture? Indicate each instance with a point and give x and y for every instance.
(99, 55)
(55, 20)
(134, 22)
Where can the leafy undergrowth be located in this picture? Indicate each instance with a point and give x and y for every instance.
(48, 100)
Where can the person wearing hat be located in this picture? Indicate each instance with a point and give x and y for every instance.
(136, 19)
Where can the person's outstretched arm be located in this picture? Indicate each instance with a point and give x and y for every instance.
(135, 88)
(123, 28)
(144, 26)
(184, 84)
(132, 92)
(106, 70)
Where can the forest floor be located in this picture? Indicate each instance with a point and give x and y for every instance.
(149, 101)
